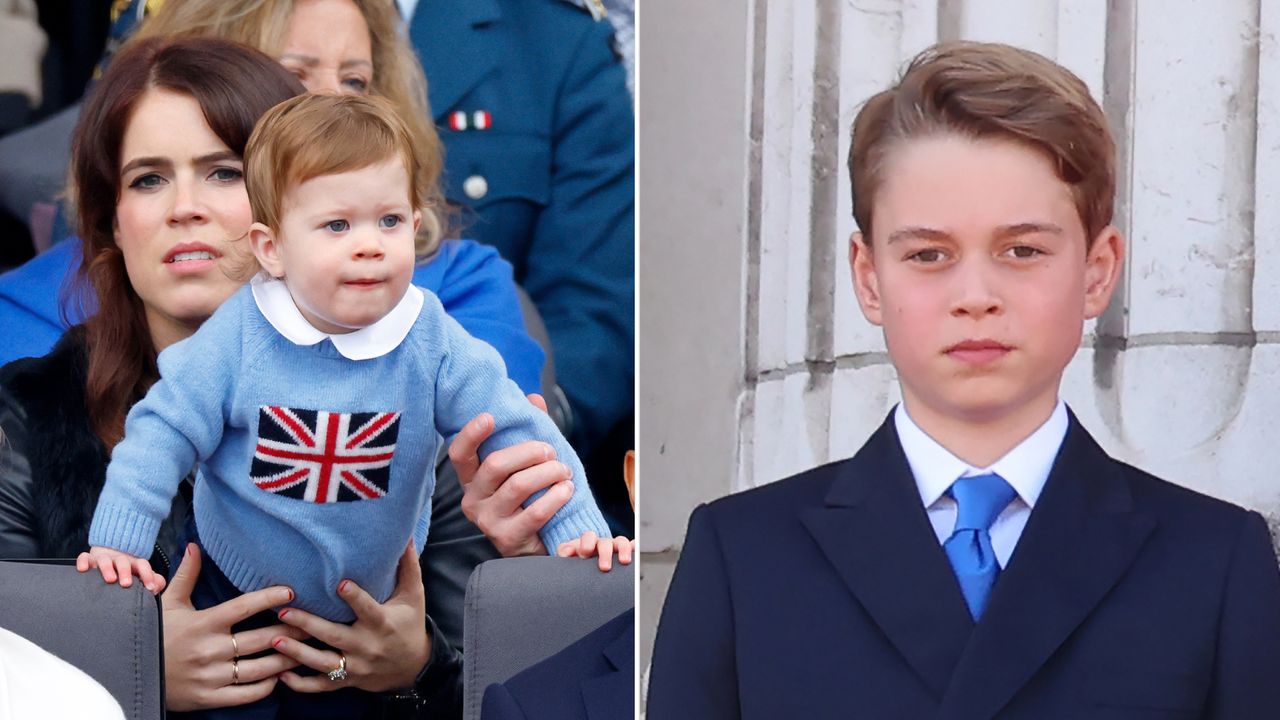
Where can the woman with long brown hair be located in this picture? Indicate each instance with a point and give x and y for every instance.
(162, 212)
(331, 46)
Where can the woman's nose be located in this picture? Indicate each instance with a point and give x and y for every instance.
(186, 203)
(321, 82)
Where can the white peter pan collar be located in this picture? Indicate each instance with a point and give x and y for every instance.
(277, 306)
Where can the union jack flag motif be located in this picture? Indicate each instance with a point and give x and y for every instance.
(324, 457)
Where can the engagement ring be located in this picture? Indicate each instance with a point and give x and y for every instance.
(339, 673)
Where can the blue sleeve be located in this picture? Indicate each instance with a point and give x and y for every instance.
(581, 262)
(32, 301)
(465, 387)
(476, 288)
(179, 422)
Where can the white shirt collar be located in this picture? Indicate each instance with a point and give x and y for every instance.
(1026, 467)
(406, 9)
(277, 306)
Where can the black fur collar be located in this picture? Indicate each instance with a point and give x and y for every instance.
(67, 461)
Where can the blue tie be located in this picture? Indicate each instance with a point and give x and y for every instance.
(979, 500)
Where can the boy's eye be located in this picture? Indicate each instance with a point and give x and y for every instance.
(337, 226)
(1024, 252)
(390, 221)
(928, 255)
(226, 174)
(146, 182)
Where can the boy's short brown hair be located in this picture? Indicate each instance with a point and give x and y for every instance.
(988, 90)
(308, 136)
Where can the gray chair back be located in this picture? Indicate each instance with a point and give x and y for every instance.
(52, 604)
(520, 611)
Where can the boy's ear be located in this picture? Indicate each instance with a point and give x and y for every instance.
(1102, 270)
(417, 221)
(629, 476)
(266, 249)
(866, 284)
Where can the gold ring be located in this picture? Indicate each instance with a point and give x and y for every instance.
(235, 648)
(339, 673)
(235, 672)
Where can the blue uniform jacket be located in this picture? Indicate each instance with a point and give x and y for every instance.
(473, 283)
(550, 182)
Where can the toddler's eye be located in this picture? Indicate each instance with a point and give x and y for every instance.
(390, 221)
(337, 226)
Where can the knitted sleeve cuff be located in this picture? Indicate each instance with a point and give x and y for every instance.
(571, 521)
(123, 529)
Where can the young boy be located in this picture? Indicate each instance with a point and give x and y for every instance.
(312, 398)
(980, 556)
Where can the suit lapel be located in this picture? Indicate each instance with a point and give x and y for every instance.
(1080, 539)
(874, 529)
(612, 695)
(452, 41)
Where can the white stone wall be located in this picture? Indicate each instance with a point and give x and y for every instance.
(755, 362)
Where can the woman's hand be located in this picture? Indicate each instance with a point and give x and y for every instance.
(200, 666)
(494, 491)
(385, 649)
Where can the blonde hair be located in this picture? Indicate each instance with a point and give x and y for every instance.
(309, 136)
(397, 75)
(989, 90)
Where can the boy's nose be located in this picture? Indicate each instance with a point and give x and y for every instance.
(975, 295)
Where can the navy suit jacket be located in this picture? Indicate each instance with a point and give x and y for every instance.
(828, 595)
(557, 167)
(592, 679)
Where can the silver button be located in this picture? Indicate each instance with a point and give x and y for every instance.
(475, 187)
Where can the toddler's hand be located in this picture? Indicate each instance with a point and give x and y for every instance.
(117, 566)
(589, 545)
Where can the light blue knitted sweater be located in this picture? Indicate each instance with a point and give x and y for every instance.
(313, 467)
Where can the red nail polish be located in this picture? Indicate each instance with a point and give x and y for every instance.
(283, 613)
(290, 596)
(277, 643)
(342, 586)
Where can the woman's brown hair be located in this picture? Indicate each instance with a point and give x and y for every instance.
(234, 85)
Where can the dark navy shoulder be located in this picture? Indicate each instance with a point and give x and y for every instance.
(1181, 506)
(772, 499)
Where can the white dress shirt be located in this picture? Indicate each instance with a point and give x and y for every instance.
(1025, 467)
